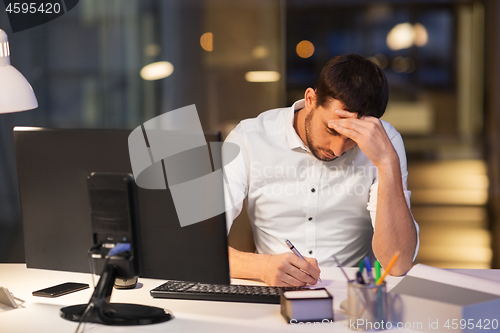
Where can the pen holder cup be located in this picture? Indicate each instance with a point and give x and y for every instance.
(367, 306)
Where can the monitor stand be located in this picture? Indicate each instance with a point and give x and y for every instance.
(118, 314)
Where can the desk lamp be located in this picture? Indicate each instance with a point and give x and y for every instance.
(16, 93)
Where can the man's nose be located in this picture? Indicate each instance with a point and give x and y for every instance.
(339, 146)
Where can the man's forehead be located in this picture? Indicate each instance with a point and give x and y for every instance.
(332, 104)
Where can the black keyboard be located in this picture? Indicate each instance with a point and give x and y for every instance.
(219, 292)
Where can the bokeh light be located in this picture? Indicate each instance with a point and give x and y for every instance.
(305, 49)
(157, 70)
(262, 76)
(207, 41)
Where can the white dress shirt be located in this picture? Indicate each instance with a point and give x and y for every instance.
(323, 208)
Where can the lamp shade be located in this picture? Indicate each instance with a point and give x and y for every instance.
(16, 93)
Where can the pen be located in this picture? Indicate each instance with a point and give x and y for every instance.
(389, 266)
(359, 274)
(341, 268)
(377, 270)
(368, 266)
(361, 265)
(294, 250)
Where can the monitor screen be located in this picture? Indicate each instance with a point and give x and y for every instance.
(53, 166)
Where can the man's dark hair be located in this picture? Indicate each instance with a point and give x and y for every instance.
(355, 81)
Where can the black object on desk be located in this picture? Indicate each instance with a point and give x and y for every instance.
(100, 310)
(219, 292)
(61, 289)
(61, 221)
(114, 221)
(55, 207)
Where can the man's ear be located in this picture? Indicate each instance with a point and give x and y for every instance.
(310, 98)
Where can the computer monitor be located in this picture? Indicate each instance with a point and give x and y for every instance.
(53, 166)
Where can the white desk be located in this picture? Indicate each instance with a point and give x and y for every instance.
(40, 314)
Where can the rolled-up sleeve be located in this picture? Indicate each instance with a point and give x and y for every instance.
(235, 179)
(398, 144)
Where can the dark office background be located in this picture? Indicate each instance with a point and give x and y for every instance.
(85, 65)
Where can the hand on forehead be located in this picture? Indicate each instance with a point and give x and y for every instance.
(338, 108)
(346, 114)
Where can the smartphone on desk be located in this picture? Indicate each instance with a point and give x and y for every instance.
(61, 289)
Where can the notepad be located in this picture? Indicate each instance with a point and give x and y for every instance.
(307, 305)
(318, 293)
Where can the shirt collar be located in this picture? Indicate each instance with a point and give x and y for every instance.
(294, 141)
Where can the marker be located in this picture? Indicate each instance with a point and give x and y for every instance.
(377, 270)
(389, 266)
(359, 274)
(361, 265)
(368, 267)
(294, 250)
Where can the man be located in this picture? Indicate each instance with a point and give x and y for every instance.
(326, 174)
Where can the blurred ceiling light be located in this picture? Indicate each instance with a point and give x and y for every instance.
(374, 60)
(400, 37)
(403, 65)
(262, 76)
(379, 60)
(305, 49)
(157, 70)
(260, 52)
(398, 65)
(207, 41)
(378, 12)
(404, 35)
(421, 36)
(152, 50)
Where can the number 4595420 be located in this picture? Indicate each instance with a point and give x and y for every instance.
(32, 8)
(485, 324)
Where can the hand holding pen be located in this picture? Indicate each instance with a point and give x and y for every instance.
(294, 250)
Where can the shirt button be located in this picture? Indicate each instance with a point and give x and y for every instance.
(310, 252)
(313, 190)
(310, 219)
